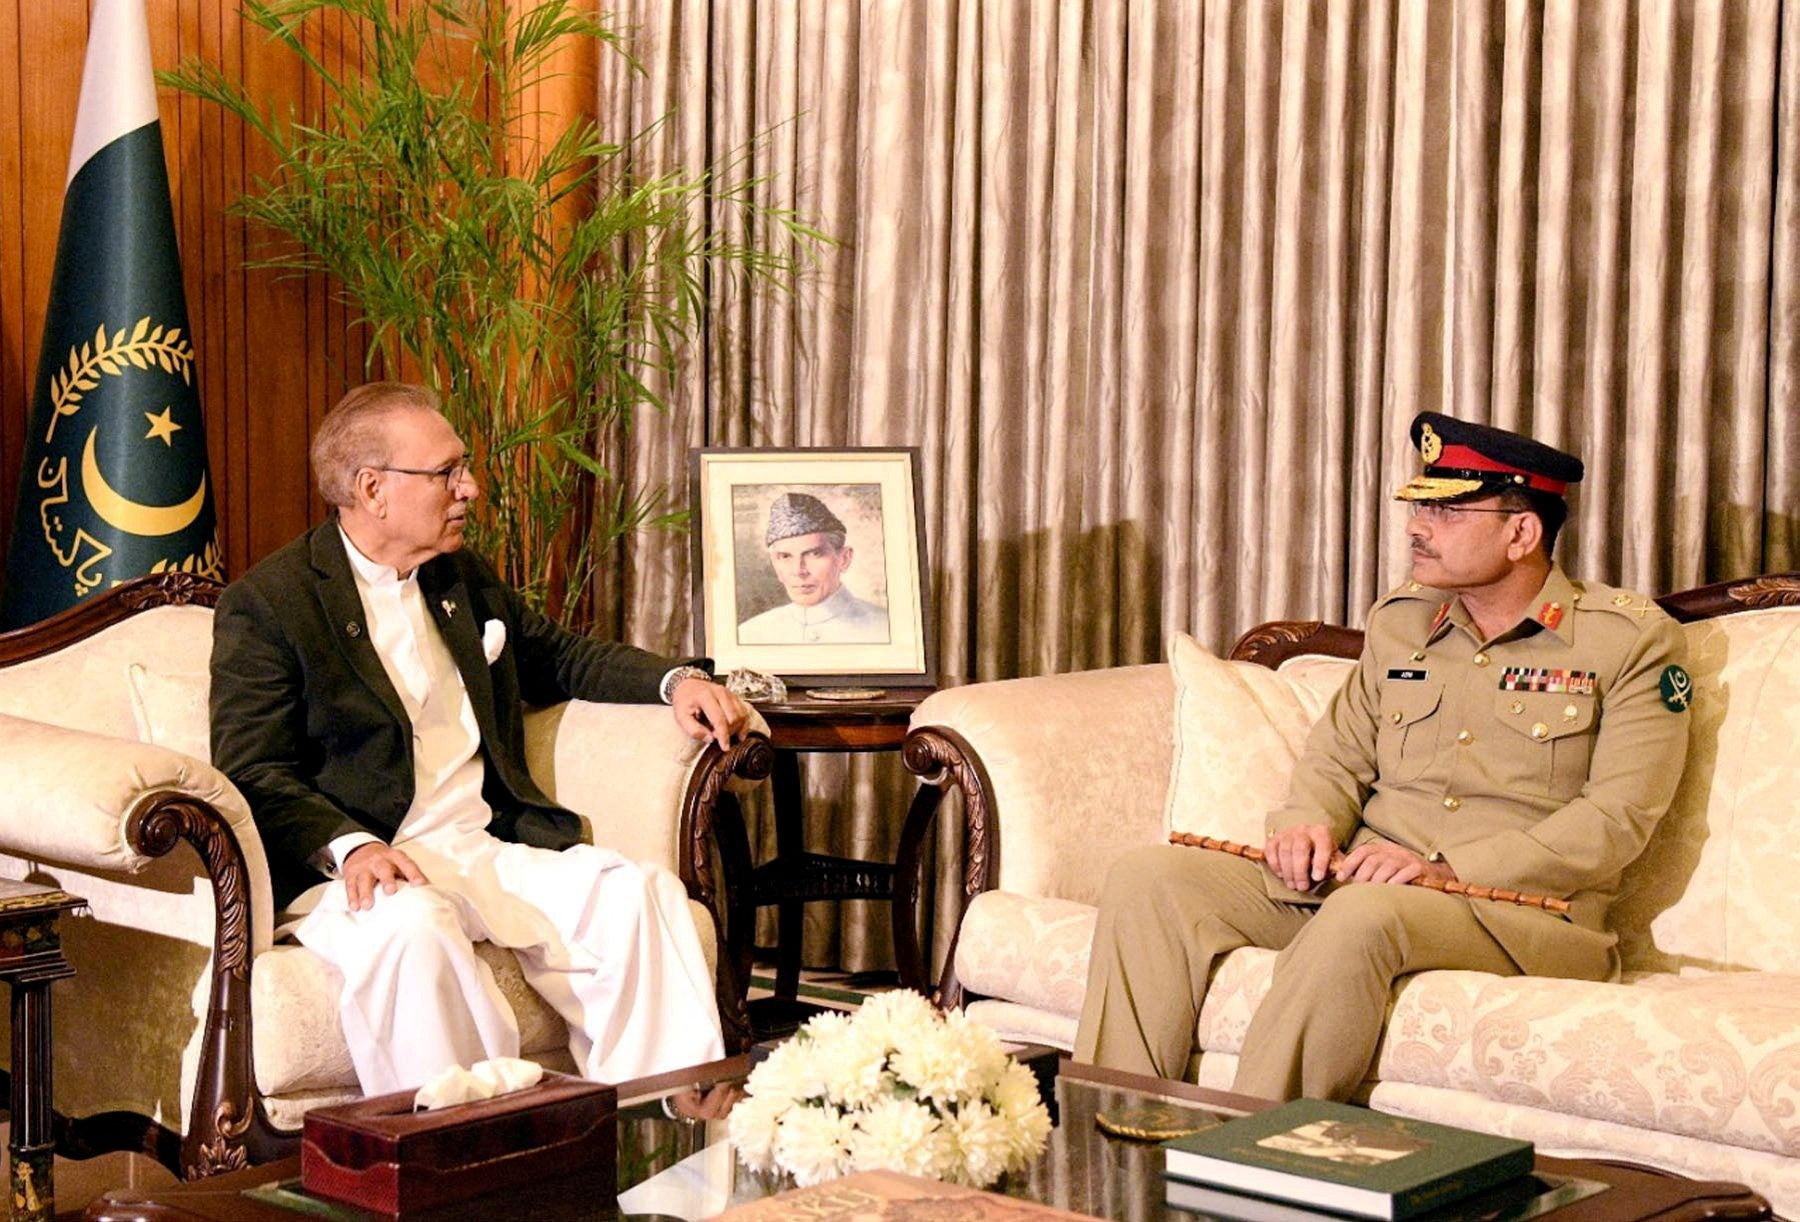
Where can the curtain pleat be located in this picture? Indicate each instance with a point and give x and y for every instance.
(1156, 285)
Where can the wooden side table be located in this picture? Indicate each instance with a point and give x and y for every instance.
(31, 958)
(795, 877)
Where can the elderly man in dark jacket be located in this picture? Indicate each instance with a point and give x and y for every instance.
(366, 692)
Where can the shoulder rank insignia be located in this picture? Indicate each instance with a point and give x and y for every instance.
(1677, 689)
(1550, 615)
(1540, 679)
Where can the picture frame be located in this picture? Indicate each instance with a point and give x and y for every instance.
(775, 590)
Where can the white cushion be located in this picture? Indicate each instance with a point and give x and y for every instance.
(1714, 889)
(1028, 949)
(170, 709)
(1239, 728)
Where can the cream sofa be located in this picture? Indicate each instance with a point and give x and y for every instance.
(1691, 1062)
(186, 1031)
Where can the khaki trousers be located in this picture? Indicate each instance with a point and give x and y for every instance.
(1168, 914)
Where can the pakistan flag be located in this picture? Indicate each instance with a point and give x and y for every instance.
(114, 484)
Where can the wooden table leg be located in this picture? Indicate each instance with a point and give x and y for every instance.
(790, 851)
(30, 958)
(32, 1145)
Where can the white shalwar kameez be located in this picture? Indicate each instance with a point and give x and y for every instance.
(609, 943)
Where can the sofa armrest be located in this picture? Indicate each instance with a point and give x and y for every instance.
(108, 806)
(1059, 774)
(96, 812)
(68, 793)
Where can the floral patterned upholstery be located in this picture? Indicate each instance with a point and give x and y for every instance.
(1691, 1062)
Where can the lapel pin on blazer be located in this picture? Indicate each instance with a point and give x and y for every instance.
(353, 629)
(449, 606)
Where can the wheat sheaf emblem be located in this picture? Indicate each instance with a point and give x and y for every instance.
(144, 346)
(208, 562)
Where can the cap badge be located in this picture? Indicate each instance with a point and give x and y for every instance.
(1431, 446)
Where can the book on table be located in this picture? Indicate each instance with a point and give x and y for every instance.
(1517, 1200)
(1345, 1159)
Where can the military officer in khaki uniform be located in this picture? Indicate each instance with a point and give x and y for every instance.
(1504, 726)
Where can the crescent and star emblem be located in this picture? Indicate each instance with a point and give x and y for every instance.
(1677, 689)
(134, 517)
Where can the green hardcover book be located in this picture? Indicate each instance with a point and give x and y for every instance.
(1347, 1159)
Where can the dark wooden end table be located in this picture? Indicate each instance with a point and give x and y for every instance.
(794, 877)
(31, 957)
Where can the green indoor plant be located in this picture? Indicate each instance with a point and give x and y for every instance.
(539, 284)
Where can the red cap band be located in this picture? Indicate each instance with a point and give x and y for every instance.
(1463, 458)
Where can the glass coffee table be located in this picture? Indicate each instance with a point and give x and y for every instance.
(675, 1162)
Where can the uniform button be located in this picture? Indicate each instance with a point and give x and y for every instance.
(1419, 657)
(1394, 717)
(1464, 737)
(1621, 600)
(1516, 707)
(1576, 601)
(1413, 587)
(1570, 712)
(1540, 731)
(1452, 803)
(1481, 659)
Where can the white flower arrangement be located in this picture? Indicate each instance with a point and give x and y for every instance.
(899, 1087)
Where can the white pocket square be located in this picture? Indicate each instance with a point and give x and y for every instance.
(493, 640)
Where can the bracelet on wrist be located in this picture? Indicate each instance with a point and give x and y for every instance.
(676, 677)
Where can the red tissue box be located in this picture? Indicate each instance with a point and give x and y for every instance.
(380, 1155)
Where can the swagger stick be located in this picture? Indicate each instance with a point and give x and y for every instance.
(1498, 894)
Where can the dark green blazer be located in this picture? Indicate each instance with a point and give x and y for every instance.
(307, 725)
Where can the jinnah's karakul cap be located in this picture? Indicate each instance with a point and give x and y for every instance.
(799, 513)
(1462, 458)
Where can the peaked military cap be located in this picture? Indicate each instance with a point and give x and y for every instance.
(1463, 458)
(799, 513)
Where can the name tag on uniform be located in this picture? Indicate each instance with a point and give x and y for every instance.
(1403, 675)
(1541, 679)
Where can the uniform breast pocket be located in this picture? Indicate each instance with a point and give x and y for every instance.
(1550, 745)
(1408, 737)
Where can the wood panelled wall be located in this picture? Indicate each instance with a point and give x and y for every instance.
(274, 351)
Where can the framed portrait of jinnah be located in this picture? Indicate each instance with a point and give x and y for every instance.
(810, 563)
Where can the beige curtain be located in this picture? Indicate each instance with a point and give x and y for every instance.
(1157, 285)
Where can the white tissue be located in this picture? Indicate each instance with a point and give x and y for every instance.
(482, 1080)
(508, 1074)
